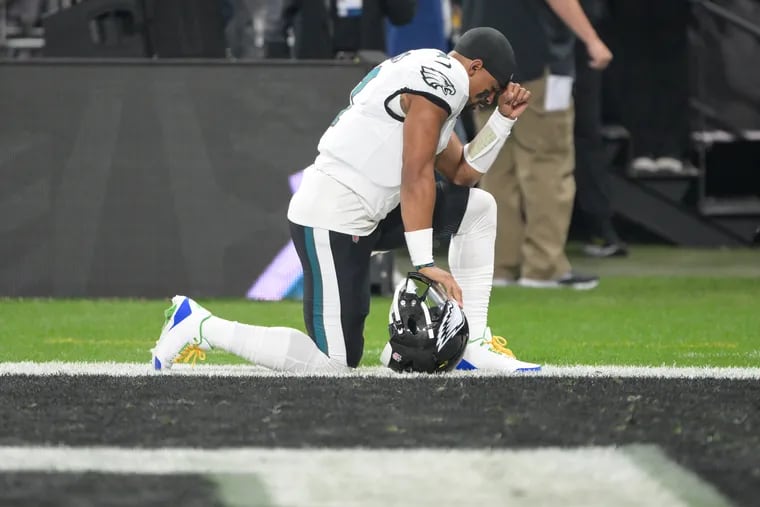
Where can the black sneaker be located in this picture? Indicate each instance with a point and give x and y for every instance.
(578, 281)
(606, 250)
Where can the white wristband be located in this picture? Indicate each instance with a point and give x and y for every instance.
(481, 152)
(420, 245)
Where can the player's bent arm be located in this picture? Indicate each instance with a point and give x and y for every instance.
(422, 128)
(452, 165)
(465, 165)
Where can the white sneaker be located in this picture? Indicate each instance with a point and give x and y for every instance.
(644, 164)
(503, 282)
(570, 280)
(184, 320)
(671, 164)
(534, 283)
(491, 353)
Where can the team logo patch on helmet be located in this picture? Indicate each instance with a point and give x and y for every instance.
(437, 79)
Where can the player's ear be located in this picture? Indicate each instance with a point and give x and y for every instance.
(475, 65)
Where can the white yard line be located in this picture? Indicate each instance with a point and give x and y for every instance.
(592, 477)
(140, 369)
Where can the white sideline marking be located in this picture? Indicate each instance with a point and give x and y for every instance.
(140, 369)
(594, 476)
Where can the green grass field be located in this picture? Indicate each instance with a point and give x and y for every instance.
(708, 315)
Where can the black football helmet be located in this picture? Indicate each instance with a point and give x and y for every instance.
(428, 331)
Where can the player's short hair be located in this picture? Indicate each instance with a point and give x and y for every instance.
(491, 46)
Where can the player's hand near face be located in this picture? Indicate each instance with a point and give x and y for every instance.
(513, 100)
(446, 281)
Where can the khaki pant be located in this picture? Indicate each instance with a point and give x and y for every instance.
(533, 184)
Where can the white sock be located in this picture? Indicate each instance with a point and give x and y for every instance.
(278, 348)
(471, 258)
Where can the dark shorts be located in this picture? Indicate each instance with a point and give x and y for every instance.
(336, 272)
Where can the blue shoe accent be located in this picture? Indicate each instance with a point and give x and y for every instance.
(156, 364)
(537, 368)
(465, 365)
(182, 312)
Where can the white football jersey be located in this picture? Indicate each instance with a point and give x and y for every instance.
(361, 152)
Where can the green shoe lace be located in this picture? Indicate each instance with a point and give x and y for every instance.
(168, 313)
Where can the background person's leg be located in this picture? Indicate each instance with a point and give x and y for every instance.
(591, 171)
(670, 112)
(545, 157)
(633, 25)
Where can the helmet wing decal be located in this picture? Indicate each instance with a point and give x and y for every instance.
(452, 322)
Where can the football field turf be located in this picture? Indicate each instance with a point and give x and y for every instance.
(683, 321)
(87, 430)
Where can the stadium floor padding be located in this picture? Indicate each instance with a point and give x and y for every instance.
(710, 426)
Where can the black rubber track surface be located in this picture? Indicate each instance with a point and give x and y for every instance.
(105, 490)
(710, 426)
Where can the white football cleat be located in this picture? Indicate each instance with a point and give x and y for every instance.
(182, 330)
(491, 353)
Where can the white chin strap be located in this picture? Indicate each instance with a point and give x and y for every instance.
(385, 355)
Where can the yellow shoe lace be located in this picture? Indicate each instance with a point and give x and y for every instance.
(498, 344)
(192, 352)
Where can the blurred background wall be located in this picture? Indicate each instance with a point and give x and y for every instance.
(134, 179)
(146, 146)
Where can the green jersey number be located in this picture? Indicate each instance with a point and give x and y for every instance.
(357, 89)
